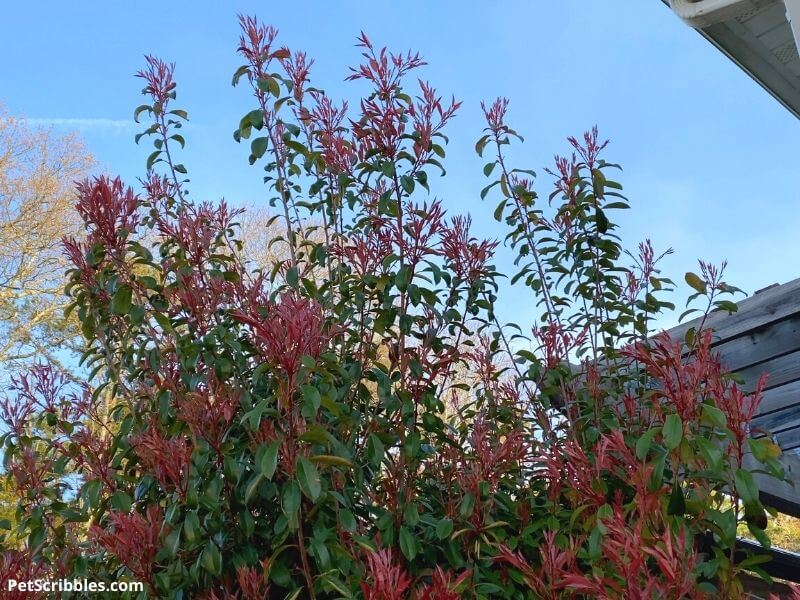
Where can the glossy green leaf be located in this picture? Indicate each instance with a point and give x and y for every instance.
(644, 443)
(269, 459)
(408, 544)
(444, 528)
(746, 486)
(308, 478)
(121, 302)
(672, 431)
(212, 558)
(695, 282)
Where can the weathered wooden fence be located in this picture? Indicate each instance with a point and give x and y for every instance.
(764, 337)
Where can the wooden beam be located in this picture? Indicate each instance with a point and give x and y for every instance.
(783, 496)
(760, 344)
(784, 565)
(754, 312)
(764, 337)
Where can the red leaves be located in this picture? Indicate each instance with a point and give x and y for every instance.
(255, 43)
(365, 252)
(383, 69)
(495, 115)
(680, 382)
(108, 209)
(640, 569)
(684, 383)
(19, 565)
(196, 227)
(39, 390)
(209, 412)
(491, 457)
(430, 117)
(253, 582)
(794, 589)
(676, 560)
(385, 579)
(204, 352)
(443, 586)
(71, 423)
(293, 327)
(159, 81)
(383, 122)
(557, 343)
(132, 538)
(468, 257)
(166, 458)
(558, 569)
(297, 67)
(325, 121)
(590, 149)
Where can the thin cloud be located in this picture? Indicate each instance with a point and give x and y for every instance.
(105, 125)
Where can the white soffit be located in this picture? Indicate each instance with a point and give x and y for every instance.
(758, 35)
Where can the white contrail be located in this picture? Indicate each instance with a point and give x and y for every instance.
(110, 125)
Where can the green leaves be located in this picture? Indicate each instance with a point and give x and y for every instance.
(602, 221)
(764, 449)
(407, 183)
(480, 145)
(140, 109)
(292, 277)
(644, 442)
(291, 502)
(467, 505)
(267, 459)
(746, 486)
(191, 527)
(403, 278)
(269, 85)
(714, 416)
(211, 558)
(330, 460)
(257, 148)
(695, 282)
(677, 502)
(672, 431)
(312, 400)
(121, 302)
(308, 478)
(153, 159)
(292, 413)
(409, 545)
(444, 528)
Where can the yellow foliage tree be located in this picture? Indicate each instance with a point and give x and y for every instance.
(38, 168)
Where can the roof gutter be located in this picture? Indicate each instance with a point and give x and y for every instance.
(702, 13)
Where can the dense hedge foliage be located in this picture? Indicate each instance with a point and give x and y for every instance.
(353, 420)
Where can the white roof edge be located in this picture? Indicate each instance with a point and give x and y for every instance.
(731, 38)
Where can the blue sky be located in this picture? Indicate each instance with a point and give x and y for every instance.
(709, 158)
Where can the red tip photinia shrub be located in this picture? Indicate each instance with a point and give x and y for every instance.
(352, 420)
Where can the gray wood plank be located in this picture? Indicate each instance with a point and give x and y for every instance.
(779, 397)
(781, 370)
(754, 312)
(788, 440)
(780, 420)
(764, 343)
